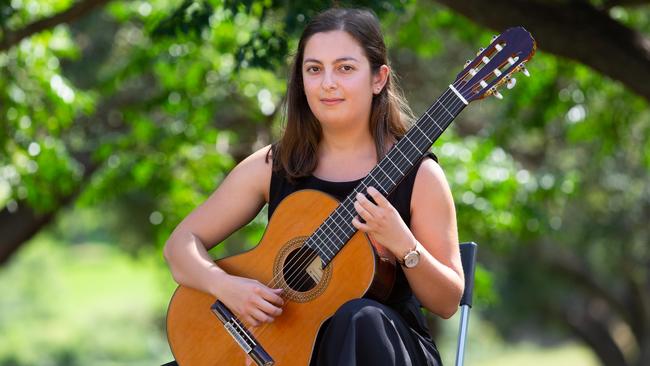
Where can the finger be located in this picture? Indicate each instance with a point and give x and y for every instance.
(363, 227)
(251, 321)
(260, 316)
(365, 215)
(378, 197)
(366, 204)
(273, 296)
(269, 309)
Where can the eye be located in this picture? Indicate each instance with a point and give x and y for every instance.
(347, 68)
(312, 69)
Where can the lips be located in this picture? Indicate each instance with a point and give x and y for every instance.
(331, 101)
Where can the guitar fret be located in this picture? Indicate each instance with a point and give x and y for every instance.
(387, 176)
(314, 244)
(434, 121)
(394, 166)
(406, 137)
(373, 178)
(323, 243)
(423, 134)
(400, 151)
(443, 106)
(332, 230)
(344, 219)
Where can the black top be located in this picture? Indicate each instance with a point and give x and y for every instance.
(400, 198)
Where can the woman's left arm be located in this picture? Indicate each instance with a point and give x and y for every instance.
(437, 280)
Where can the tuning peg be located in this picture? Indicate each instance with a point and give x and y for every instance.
(494, 37)
(468, 62)
(511, 83)
(480, 50)
(493, 91)
(523, 69)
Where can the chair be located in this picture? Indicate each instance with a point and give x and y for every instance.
(468, 258)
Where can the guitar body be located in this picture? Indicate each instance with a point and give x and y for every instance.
(198, 338)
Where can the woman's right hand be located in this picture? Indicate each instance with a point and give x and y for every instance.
(252, 302)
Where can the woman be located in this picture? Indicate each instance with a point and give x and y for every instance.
(343, 115)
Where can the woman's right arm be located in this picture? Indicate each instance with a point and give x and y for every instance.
(238, 199)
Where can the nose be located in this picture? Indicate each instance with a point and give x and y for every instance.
(329, 81)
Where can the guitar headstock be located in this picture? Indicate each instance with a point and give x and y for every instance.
(495, 64)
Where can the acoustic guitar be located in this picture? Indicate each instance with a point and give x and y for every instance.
(312, 251)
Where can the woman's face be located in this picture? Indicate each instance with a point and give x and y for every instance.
(338, 82)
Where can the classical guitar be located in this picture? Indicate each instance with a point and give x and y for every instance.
(311, 249)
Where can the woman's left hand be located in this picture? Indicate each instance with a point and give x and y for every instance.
(383, 223)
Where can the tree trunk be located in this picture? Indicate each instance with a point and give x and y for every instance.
(572, 29)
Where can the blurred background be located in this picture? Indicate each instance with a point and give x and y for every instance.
(117, 118)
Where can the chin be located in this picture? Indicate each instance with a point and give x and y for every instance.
(332, 121)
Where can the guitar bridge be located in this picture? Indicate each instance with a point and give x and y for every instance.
(241, 335)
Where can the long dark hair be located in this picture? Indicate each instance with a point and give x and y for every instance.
(296, 152)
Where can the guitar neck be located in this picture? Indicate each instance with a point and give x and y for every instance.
(332, 235)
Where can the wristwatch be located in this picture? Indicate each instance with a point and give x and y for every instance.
(411, 259)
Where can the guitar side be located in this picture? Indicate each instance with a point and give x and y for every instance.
(197, 337)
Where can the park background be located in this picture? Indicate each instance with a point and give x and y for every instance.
(117, 118)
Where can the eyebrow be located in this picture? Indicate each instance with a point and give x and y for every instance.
(346, 58)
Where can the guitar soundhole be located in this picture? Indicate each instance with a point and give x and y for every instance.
(302, 269)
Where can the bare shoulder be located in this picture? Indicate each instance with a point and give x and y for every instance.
(430, 180)
(259, 159)
(255, 171)
(239, 197)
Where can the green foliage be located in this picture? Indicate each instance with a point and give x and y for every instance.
(87, 304)
(191, 18)
(143, 108)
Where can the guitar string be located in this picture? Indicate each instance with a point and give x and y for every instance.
(433, 109)
(257, 332)
(395, 167)
(440, 130)
(336, 216)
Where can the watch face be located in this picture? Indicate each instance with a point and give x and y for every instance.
(411, 259)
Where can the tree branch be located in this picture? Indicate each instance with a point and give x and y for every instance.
(21, 225)
(16, 228)
(67, 16)
(594, 333)
(574, 30)
(612, 3)
(572, 270)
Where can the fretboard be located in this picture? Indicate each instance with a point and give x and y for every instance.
(337, 229)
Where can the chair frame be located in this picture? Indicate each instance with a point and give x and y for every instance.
(468, 258)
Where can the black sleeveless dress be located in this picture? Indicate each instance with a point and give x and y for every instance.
(364, 331)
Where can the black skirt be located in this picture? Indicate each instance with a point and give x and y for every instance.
(366, 332)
